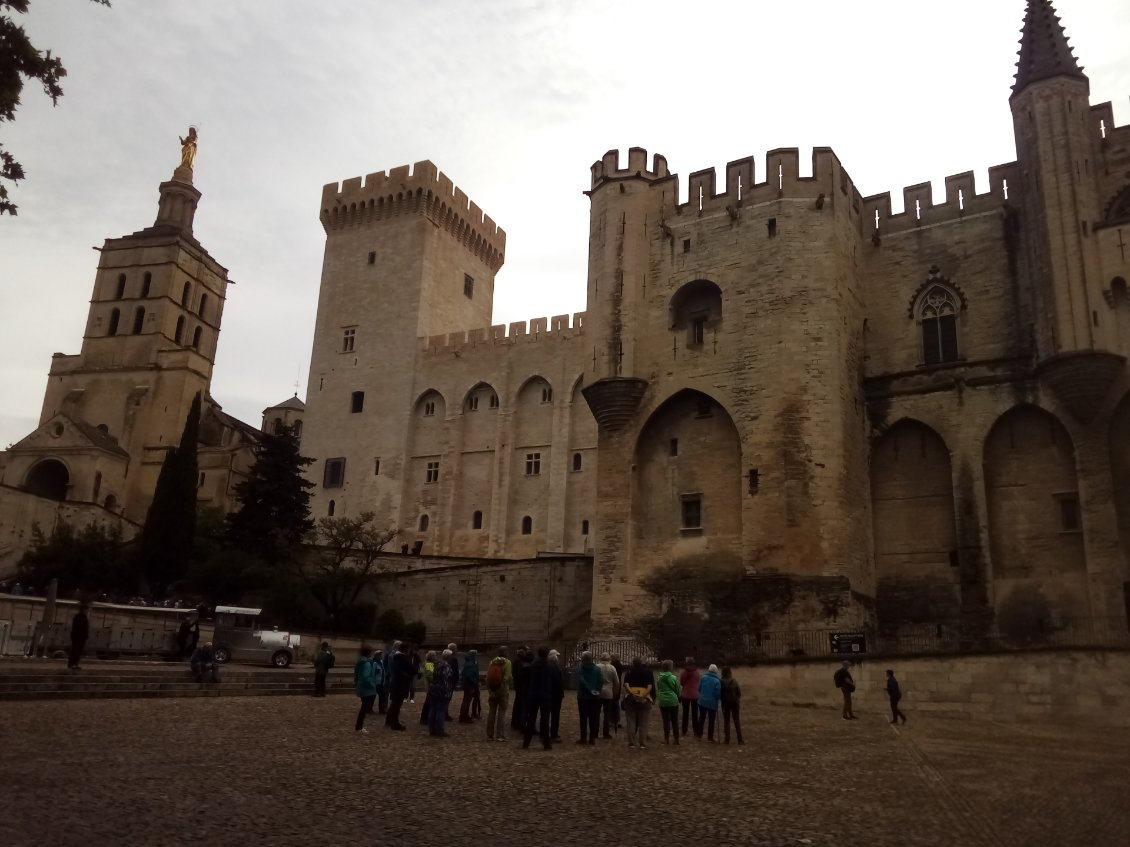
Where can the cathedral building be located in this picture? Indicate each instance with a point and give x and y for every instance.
(925, 414)
(111, 411)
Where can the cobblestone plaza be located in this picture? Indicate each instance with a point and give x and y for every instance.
(291, 771)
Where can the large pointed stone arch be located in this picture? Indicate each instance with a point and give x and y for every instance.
(688, 450)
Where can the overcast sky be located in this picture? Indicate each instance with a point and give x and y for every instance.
(513, 99)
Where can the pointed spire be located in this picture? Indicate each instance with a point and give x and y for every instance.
(1044, 51)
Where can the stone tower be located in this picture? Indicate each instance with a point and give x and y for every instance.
(724, 377)
(148, 348)
(1059, 154)
(407, 256)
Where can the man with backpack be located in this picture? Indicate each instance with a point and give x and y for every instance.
(500, 679)
(846, 684)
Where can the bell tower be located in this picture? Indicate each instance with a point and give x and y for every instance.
(150, 339)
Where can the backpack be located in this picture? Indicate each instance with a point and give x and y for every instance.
(494, 674)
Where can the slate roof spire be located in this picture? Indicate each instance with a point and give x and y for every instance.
(1044, 51)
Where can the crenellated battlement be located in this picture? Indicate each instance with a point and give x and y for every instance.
(419, 189)
(1102, 117)
(607, 168)
(962, 201)
(782, 180)
(518, 332)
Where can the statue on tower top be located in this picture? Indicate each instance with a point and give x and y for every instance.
(188, 149)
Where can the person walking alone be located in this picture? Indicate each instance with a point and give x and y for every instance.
(894, 692)
(846, 684)
(365, 684)
(688, 694)
(668, 688)
(731, 704)
(80, 631)
(323, 661)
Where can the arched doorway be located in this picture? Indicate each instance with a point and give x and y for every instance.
(914, 530)
(687, 485)
(1035, 523)
(48, 478)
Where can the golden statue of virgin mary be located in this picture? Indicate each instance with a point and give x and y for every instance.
(188, 149)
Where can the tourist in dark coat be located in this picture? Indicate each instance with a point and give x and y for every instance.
(399, 684)
(80, 632)
(539, 693)
(556, 694)
(471, 707)
(846, 684)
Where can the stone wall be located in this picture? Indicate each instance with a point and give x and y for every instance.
(1060, 686)
(492, 601)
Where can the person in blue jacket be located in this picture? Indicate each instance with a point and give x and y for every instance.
(365, 683)
(709, 695)
(379, 677)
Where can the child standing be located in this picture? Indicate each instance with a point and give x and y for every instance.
(668, 688)
(731, 704)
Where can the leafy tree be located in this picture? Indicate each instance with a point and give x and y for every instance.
(346, 564)
(390, 624)
(216, 571)
(274, 515)
(90, 560)
(19, 59)
(170, 525)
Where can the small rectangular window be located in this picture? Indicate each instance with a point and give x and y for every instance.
(692, 511)
(334, 476)
(357, 402)
(771, 225)
(348, 337)
(1069, 519)
(473, 403)
(432, 474)
(686, 245)
(533, 464)
(493, 400)
(429, 408)
(939, 340)
(468, 286)
(372, 257)
(674, 444)
(698, 331)
(584, 527)
(376, 467)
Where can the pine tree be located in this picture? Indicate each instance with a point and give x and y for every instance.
(166, 539)
(274, 516)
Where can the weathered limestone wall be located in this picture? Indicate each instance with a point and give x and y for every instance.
(500, 600)
(1066, 686)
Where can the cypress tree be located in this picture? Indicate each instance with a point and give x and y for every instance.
(274, 515)
(166, 538)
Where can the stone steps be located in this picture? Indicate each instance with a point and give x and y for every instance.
(47, 682)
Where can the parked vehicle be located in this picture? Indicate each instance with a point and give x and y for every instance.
(237, 638)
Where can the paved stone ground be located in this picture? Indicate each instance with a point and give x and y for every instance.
(291, 771)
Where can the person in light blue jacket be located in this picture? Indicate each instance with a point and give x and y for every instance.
(709, 695)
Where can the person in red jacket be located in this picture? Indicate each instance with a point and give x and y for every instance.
(688, 694)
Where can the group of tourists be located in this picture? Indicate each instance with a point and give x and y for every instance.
(610, 695)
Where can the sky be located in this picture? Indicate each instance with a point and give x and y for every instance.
(513, 99)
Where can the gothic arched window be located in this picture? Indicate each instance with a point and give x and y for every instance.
(196, 333)
(115, 316)
(146, 282)
(424, 521)
(937, 315)
(527, 525)
(178, 336)
(139, 320)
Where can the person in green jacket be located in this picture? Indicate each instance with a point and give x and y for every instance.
(365, 683)
(323, 660)
(590, 679)
(668, 688)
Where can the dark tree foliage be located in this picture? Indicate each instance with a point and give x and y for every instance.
(90, 560)
(170, 525)
(20, 60)
(346, 565)
(217, 573)
(274, 515)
